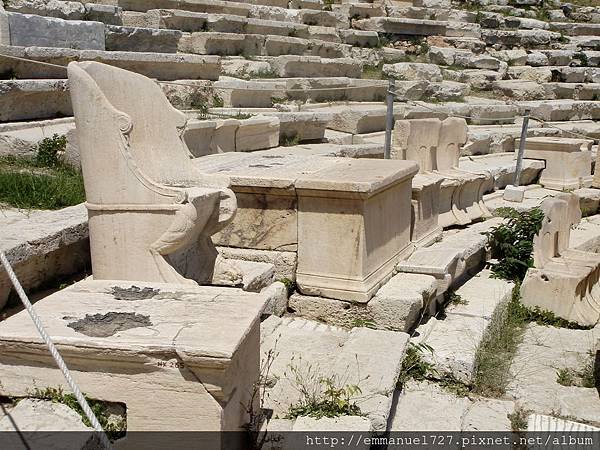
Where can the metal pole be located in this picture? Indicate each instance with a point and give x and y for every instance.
(389, 122)
(519, 167)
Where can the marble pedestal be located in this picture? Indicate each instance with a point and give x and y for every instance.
(181, 358)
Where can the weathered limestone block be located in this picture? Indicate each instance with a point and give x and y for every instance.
(413, 71)
(33, 99)
(402, 26)
(240, 93)
(48, 8)
(425, 228)
(305, 126)
(290, 201)
(360, 38)
(435, 145)
(30, 30)
(213, 43)
(519, 89)
(314, 66)
(195, 348)
(563, 280)
(257, 133)
(568, 161)
(43, 246)
(107, 14)
(152, 221)
(342, 208)
(283, 45)
(369, 358)
(129, 39)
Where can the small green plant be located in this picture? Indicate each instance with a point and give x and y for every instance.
(414, 366)
(278, 100)
(371, 72)
(563, 39)
(581, 377)
(290, 285)
(289, 141)
(321, 396)
(217, 101)
(452, 298)
(518, 419)
(583, 59)
(293, 32)
(50, 149)
(242, 116)
(114, 429)
(366, 323)
(512, 243)
(201, 107)
(548, 318)
(265, 73)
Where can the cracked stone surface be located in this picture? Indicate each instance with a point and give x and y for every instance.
(368, 358)
(425, 406)
(544, 351)
(180, 319)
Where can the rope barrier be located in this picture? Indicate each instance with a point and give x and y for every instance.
(55, 354)
(396, 94)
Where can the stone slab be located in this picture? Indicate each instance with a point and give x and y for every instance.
(369, 358)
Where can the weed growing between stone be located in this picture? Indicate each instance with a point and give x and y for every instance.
(414, 366)
(371, 72)
(41, 182)
(321, 396)
(518, 419)
(114, 426)
(498, 347)
(547, 318)
(512, 242)
(581, 377)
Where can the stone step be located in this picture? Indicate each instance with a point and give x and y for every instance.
(33, 99)
(426, 13)
(456, 338)
(576, 29)
(397, 306)
(163, 66)
(555, 73)
(403, 26)
(560, 110)
(21, 138)
(371, 359)
(251, 45)
(68, 10)
(43, 246)
(419, 405)
(519, 38)
(545, 350)
(531, 90)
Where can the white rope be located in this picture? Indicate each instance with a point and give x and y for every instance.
(54, 352)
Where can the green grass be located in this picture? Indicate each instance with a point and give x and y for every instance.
(25, 184)
(371, 72)
(113, 429)
(289, 141)
(498, 347)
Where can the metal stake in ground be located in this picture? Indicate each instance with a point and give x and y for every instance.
(519, 167)
(389, 119)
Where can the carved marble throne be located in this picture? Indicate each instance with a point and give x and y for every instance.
(151, 214)
(564, 281)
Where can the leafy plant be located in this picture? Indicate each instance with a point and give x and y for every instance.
(290, 285)
(114, 429)
(217, 101)
(518, 419)
(321, 396)
(414, 366)
(290, 141)
(548, 318)
(512, 243)
(452, 298)
(50, 149)
(582, 377)
(371, 72)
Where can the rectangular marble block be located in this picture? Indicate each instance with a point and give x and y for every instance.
(425, 227)
(568, 161)
(181, 357)
(354, 222)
